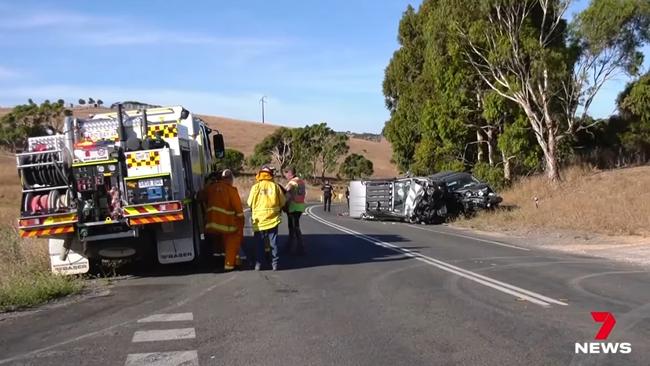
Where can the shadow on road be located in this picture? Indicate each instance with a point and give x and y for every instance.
(334, 249)
(322, 250)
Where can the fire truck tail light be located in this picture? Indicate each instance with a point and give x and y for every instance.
(29, 222)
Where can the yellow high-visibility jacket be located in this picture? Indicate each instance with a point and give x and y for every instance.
(266, 200)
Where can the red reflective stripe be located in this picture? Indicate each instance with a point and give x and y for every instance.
(46, 231)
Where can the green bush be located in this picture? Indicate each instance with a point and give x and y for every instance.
(233, 160)
(490, 175)
(356, 166)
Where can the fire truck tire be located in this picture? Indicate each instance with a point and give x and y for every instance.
(95, 266)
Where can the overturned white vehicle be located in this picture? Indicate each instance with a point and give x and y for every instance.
(427, 200)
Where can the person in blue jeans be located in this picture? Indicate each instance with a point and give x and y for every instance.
(266, 200)
(262, 237)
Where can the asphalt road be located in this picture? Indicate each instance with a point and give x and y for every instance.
(367, 293)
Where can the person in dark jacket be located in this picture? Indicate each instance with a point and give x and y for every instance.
(328, 191)
(347, 196)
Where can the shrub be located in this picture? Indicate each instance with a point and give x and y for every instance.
(233, 160)
(490, 174)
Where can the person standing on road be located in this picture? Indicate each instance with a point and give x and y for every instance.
(266, 201)
(347, 196)
(224, 216)
(296, 192)
(229, 179)
(328, 191)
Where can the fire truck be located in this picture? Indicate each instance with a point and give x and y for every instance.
(118, 185)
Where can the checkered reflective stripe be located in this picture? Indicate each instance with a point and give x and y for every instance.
(169, 130)
(151, 159)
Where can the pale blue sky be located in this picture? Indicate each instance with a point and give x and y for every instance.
(314, 60)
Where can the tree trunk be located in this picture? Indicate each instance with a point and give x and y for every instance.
(480, 139)
(550, 157)
(490, 143)
(507, 174)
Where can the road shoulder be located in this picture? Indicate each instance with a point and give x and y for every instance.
(633, 250)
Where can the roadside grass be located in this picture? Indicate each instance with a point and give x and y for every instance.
(610, 202)
(25, 277)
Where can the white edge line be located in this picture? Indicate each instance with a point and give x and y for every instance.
(440, 264)
(415, 254)
(469, 237)
(533, 297)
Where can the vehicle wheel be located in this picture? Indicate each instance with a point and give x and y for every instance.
(95, 267)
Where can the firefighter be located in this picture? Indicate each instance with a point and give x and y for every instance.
(296, 193)
(266, 200)
(224, 216)
(328, 191)
(229, 179)
(213, 238)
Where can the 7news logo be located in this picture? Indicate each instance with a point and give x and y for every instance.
(608, 321)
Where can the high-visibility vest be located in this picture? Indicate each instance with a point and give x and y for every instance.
(297, 190)
(224, 209)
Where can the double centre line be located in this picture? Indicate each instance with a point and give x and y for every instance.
(515, 291)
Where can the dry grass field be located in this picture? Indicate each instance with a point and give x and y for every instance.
(611, 202)
(25, 277)
(9, 189)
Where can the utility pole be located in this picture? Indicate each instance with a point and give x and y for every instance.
(262, 102)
